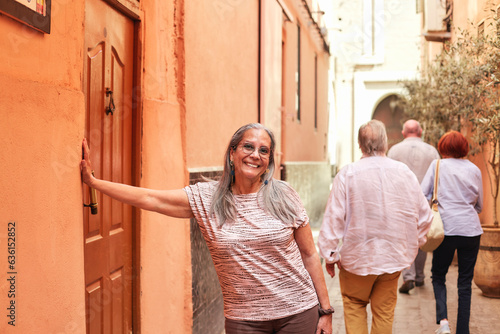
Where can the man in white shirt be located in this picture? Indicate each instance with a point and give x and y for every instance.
(375, 220)
(417, 155)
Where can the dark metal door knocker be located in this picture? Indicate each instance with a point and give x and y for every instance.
(111, 103)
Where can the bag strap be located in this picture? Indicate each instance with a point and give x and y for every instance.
(435, 193)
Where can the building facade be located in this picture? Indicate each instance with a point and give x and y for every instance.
(377, 44)
(158, 88)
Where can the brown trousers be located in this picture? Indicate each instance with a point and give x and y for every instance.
(378, 290)
(302, 323)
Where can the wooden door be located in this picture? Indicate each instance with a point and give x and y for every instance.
(108, 80)
(390, 113)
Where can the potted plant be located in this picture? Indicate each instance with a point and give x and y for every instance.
(460, 91)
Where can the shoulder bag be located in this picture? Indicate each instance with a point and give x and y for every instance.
(436, 234)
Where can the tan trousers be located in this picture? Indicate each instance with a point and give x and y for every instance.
(378, 290)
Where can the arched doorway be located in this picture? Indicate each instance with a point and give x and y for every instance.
(390, 113)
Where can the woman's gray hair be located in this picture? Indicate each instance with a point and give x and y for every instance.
(372, 138)
(275, 196)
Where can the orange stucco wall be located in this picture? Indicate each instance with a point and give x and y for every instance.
(224, 49)
(43, 118)
(165, 256)
(197, 82)
(222, 41)
(42, 123)
(311, 144)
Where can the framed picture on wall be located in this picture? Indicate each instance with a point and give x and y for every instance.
(34, 13)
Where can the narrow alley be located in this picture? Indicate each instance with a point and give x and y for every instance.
(415, 313)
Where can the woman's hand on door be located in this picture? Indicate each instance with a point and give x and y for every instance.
(173, 203)
(85, 166)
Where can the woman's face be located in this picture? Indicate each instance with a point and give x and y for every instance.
(251, 156)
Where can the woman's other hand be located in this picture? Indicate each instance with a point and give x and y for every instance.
(324, 325)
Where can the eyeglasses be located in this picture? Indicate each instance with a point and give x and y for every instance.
(248, 148)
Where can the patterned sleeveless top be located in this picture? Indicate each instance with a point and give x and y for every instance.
(256, 258)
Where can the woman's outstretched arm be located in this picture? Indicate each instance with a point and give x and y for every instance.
(173, 203)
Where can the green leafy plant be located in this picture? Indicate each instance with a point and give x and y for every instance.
(460, 91)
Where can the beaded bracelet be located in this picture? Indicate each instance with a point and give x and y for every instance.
(323, 312)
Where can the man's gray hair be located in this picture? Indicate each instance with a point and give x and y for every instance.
(372, 138)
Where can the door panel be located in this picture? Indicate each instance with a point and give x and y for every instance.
(94, 65)
(109, 38)
(94, 318)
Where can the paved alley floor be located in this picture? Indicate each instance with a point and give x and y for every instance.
(415, 313)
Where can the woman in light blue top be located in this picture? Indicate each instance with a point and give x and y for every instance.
(460, 197)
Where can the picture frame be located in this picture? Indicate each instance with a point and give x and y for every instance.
(34, 13)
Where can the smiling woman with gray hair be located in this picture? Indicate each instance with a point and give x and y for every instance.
(258, 234)
(375, 220)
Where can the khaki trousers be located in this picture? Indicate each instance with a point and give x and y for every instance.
(378, 290)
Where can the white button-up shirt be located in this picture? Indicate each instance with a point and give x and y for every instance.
(376, 217)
